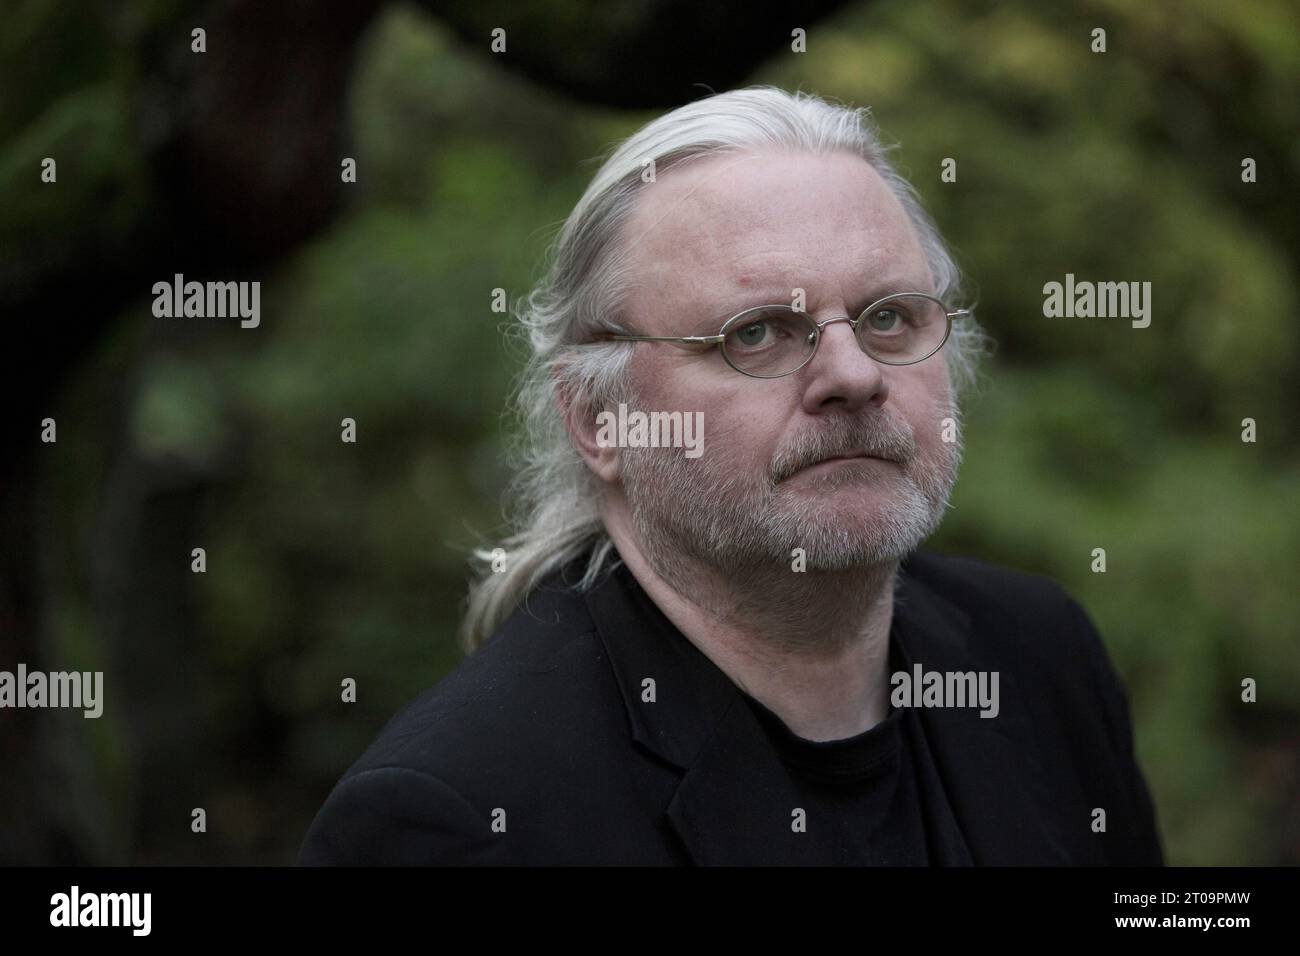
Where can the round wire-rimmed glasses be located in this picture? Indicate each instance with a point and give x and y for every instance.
(771, 341)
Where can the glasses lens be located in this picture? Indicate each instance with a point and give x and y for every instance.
(770, 341)
(903, 328)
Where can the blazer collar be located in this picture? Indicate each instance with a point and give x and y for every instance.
(732, 779)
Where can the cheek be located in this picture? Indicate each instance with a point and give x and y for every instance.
(742, 420)
(651, 376)
(739, 435)
(924, 401)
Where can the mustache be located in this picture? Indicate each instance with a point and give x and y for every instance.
(881, 438)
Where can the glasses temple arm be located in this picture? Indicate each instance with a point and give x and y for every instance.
(688, 339)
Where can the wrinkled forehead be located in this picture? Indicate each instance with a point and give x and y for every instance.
(717, 232)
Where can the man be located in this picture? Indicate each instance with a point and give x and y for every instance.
(740, 657)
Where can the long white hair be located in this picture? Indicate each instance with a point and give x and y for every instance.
(553, 499)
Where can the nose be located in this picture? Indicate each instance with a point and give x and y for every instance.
(841, 374)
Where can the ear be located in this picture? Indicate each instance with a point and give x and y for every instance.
(589, 433)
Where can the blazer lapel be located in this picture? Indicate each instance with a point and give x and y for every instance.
(985, 763)
(733, 804)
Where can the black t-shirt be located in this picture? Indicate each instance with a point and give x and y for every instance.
(874, 799)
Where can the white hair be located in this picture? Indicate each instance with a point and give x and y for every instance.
(554, 496)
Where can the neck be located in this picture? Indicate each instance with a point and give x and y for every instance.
(812, 646)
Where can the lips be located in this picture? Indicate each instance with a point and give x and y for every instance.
(848, 457)
(851, 456)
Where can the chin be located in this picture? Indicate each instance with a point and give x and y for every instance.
(839, 534)
(854, 555)
(855, 506)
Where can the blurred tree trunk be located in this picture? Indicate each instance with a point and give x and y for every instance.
(217, 164)
(239, 156)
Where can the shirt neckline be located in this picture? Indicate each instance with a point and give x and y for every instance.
(872, 753)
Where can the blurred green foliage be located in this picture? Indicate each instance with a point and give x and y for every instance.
(328, 560)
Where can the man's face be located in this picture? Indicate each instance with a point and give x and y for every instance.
(740, 230)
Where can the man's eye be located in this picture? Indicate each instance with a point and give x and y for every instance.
(752, 334)
(887, 320)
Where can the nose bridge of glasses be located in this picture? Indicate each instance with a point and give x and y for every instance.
(821, 326)
(815, 337)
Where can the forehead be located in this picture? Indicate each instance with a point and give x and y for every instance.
(719, 232)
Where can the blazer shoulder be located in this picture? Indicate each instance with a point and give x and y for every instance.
(396, 816)
(426, 788)
(1022, 619)
(972, 584)
(526, 691)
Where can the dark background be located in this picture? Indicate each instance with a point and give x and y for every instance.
(328, 560)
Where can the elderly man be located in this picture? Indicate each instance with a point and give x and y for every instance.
(739, 656)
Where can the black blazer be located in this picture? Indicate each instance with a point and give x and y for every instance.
(543, 729)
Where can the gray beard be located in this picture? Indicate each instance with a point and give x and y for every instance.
(717, 515)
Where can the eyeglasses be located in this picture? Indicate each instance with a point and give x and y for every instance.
(769, 341)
